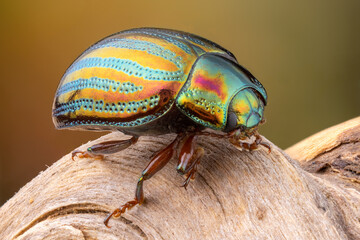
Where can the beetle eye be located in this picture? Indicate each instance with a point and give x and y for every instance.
(231, 123)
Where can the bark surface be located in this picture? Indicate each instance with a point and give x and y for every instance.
(309, 191)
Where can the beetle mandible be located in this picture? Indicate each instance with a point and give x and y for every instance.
(151, 81)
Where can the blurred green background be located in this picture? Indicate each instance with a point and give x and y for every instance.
(306, 53)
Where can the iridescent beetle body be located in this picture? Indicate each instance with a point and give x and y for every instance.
(156, 81)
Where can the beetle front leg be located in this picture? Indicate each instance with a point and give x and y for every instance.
(98, 150)
(250, 146)
(189, 159)
(260, 142)
(155, 165)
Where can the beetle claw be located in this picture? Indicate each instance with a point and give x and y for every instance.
(117, 212)
(259, 141)
(190, 176)
(77, 153)
(85, 154)
(267, 146)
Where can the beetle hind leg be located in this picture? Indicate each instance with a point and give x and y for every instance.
(99, 150)
(155, 165)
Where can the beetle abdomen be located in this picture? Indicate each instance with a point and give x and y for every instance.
(127, 79)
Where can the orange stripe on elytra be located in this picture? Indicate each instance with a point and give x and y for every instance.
(185, 57)
(149, 88)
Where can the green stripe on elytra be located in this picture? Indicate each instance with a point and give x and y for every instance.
(128, 67)
(164, 36)
(99, 84)
(89, 104)
(149, 47)
(63, 109)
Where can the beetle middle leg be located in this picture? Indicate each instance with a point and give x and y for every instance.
(98, 150)
(189, 158)
(155, 165)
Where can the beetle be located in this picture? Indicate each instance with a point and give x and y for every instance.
(151, 81)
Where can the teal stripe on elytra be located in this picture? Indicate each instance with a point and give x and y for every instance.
(99, 84)
(128, 67)
(164, 36)
(146, 46)
(187, 37)
(90, 104)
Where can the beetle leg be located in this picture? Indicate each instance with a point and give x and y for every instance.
(189, 159)
(250, 146)
(98, 150)
(260, 142)
(156, 164)
(199, 152)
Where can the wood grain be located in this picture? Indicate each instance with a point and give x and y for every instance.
(326, 140)
(236, 195)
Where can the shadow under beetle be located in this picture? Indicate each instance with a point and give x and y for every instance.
(151, 81)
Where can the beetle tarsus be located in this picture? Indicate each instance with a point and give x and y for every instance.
(245, 145)
(267, 146)
(189, 176)
(234, 139)
(259, 141)
(117, 212)
(85, 154)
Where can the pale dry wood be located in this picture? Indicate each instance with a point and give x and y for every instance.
(333, 154)
(236, 195)
(325, 140)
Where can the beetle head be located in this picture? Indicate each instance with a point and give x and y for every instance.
(245, 111)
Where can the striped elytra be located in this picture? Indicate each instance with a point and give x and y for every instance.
(132, 80)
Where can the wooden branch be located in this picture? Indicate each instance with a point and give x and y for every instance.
(236, 194)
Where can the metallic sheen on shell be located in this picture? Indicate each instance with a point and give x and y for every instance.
(133, 79)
